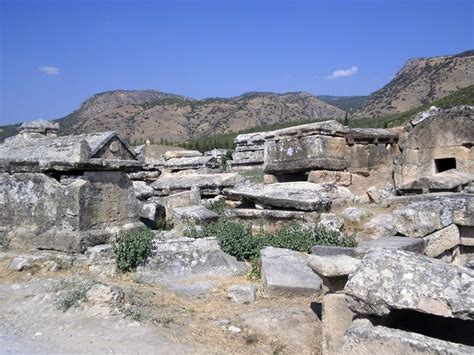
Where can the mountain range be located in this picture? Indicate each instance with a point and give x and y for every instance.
(149, 114)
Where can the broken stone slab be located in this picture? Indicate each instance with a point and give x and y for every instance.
(180, 199)
(422, 218)
(333, 270)
(449, 180)
(364, 338)
(355, 215)
(285, 272)
(178, 164)
(329, 250)
(394, 279)
(441, 241)
(192, 214)
(142, 190)
(392, 242)
(150, 213)
(242, 293)
(176, 182)
(331, 221)
(299, 196)
(379, 226)
(333, 266)
(145, 175)
(186, 257)
(336, 318)
(380, 195)
(341, 178)
(181, 154)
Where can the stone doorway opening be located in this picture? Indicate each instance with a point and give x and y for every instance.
(445, 164)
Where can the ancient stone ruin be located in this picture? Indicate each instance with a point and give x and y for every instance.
(399, 202)
(64, 193)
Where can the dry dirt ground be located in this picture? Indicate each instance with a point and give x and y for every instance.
(150, 319)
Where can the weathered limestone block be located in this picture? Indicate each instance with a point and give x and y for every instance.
(421, 218)
(145, 175)
(242, 293)
(285, 272)
(336, 317)
(445, 181)
(331, 222)
(294, 154)
(333, 266)
(181, 154)
(363, 338)
(302, 196)
(380, 195)
(173, 183)
(187, 163)
(142, 190)
(379, 226)
(394, 279)
(341, 178)
(439, 242)
(180, 199)
(68, 215)
(193, 214)
(248, 152)
(333, 269)
(95, 151)
(422, 145)
(355, 215)
(107, 200)
(187, 257)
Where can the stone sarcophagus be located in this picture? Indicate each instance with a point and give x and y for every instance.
(315, 146)
(65, 193)
(438, 142)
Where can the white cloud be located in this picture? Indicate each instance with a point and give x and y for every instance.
(49, 70)
(340, 73)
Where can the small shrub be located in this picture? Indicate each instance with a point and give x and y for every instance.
(237, 239)
(219, 206)
(234, 238)
(72, 298)
(302, 238)
(132, 248)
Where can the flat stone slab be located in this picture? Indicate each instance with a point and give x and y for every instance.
(363, 338)
(324, 250)
(181, 154)
(403, 243)
(186, 257)
(394, 279)
(285, 272)
(178, 182)
(303, 196)
(333, 266)
(446, 180)
(198, 214)
(439, 242)
(279, 215)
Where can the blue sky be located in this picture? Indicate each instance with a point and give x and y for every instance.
(55, 54)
